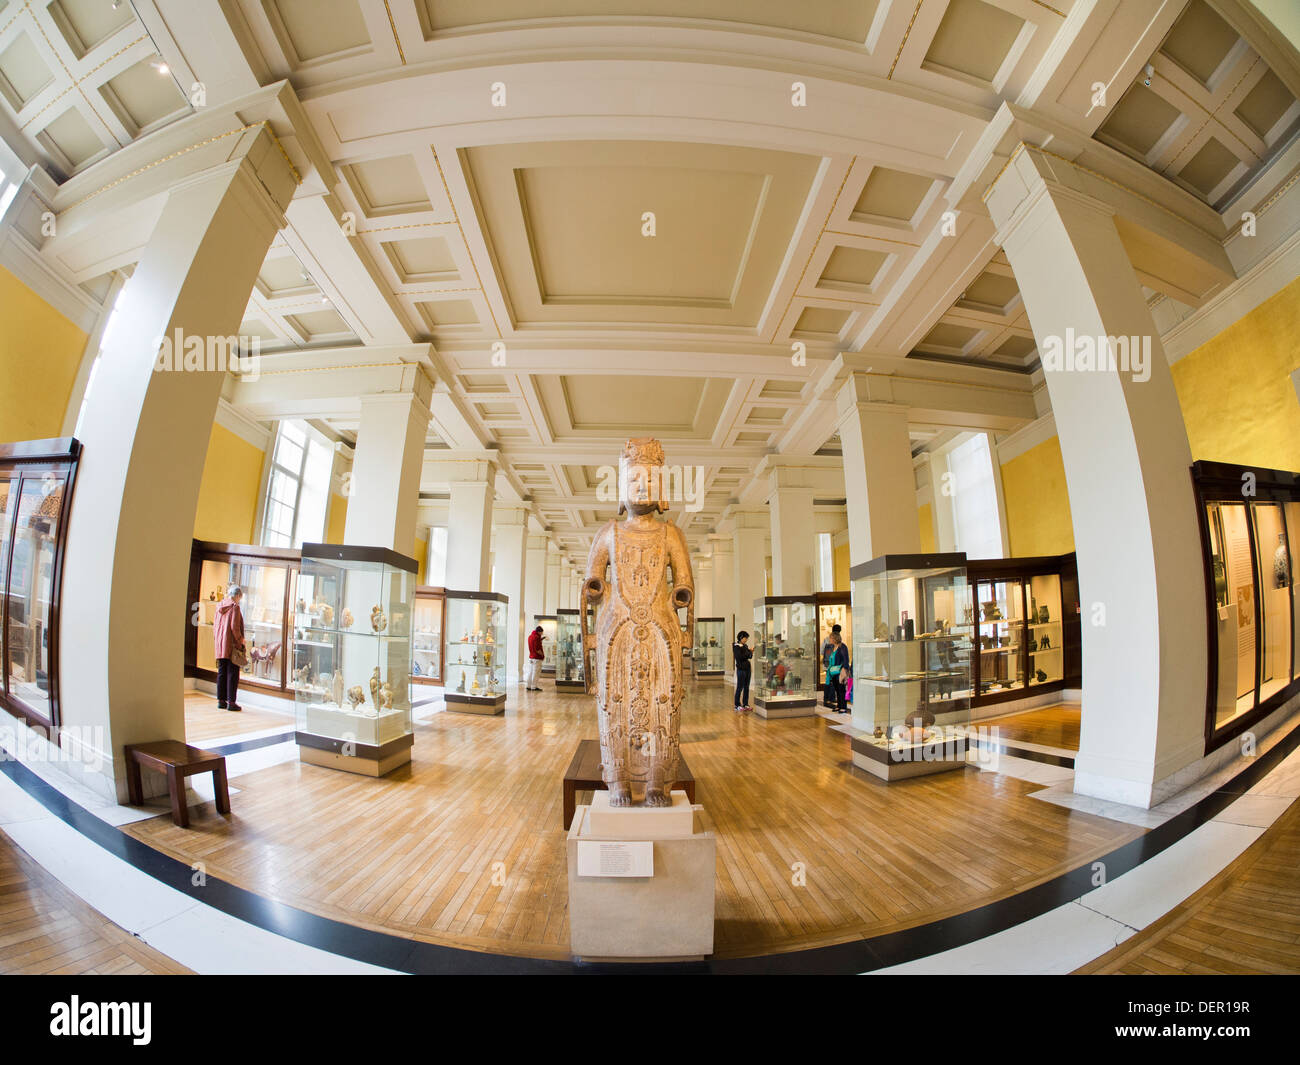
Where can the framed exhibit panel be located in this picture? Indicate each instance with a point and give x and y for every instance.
(1025, 615)
(475, 672)
(709, 654)
(427, 635)
(911, 664)
(570, 670)
(36, 481)
(785, 654)
(833, 608)
(547, 622)
(352, 658)
(268, 577)
(1250, 520)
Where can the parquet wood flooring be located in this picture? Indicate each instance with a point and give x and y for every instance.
(1245, 920)
(417, 853)
(205, 724)
(1051, 726)
(47, 929)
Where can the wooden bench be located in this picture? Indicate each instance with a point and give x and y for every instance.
(178, 761)
(583, 774)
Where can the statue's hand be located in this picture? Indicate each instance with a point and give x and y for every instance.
(594, 588)
(682, 596)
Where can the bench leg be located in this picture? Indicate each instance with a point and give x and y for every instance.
(221, 788)
(570, 803)
(134, 786)
(176, 788)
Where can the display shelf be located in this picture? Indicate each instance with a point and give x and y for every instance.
(427, 651)
(709, 652)
(570, 662)
(352, 657)
(475, 678)
(547, 622)
(785, 656)
(911, 662)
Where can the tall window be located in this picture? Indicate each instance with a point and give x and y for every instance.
(976, 523)
(825, 563)
(298, 490)
(436, 573)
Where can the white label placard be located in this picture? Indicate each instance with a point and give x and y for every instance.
(616, 858)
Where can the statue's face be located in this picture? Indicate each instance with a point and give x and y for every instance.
(641, 487)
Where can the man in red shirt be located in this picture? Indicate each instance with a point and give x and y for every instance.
(535, 656)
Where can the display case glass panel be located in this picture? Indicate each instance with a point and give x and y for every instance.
(1045, 630)
(833, 608)
(547, 622)
(1001, 635)
(1293, 544)
(265, 584)
(912, 647)
(569, 667)
(476, 648)
(709, 654)
(426, 636)
(1234, 589)
(31, 588)
(352, 654)
(1274, 584)
(785, 651)
(9, 486)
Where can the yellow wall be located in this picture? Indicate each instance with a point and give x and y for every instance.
(232, 475)
(40, 351)
(1038, 504)
(421, 555)
(1238, 401)
(925, 519)
(840, 566)
(336, 520)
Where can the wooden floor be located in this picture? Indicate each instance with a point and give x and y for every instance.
(204, 723)
(414, 853)
(1244, 921)
(45, 928)
(1050, 726)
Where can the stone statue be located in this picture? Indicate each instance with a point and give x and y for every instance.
(638, 639)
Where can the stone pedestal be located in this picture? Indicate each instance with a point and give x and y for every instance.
(667, 915)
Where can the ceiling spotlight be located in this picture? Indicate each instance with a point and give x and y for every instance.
(160, 66)
(324, 299)
(1146, 80)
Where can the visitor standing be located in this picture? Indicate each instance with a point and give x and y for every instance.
(741, 653)
(535, 657)
(828, 645)
(837, 669)
(229, 648)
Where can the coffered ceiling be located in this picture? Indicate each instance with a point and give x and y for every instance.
(494, 167)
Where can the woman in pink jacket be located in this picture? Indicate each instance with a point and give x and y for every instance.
(228, 644)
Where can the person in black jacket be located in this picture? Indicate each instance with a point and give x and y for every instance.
(741, 653)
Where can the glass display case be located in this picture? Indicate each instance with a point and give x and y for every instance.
(36, 479)
(833, 608)
(547, 622)
(570, 671)
(785, 656)
(426, 636)
(911, 663)
(709, 655)
(475, 672)
(351, 675)
(1000, 632)
(268, 577)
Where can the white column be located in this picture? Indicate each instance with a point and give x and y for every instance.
(386, 468)
(146, 438)
(750, 534)
(469, 531)
(794, 534)
(535, 581)
(724, 585)
(703, 566)
(1126, 459)
(879, 485)
(553, 569)
(510, 530)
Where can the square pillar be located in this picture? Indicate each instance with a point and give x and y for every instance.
(510, 530)
(794, 534)
(469, 534)
(552, 601)
(750, 580)
(386, 468)
(535, 581)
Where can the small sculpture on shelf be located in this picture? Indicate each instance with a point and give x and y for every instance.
(461, 686)
(356, 696)
(300, 676)
(386, 696)
(374, 687)
(378, 619)
(1045, 642)
(1281, 564)
(326, 615)
(338, 689)
(348, 618)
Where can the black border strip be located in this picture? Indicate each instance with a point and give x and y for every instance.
(858, 956)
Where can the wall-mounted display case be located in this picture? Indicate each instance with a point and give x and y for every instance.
(351, 676)
(426, 635)
(570, 666)
(1026, 627)
(1253, 637)
(709, 654)
(833, 608)
(36, 480)
(475, 672)
(911, 661)
(785, 656)
(547, 622)
(268, 577)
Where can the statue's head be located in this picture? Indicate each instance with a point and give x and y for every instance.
(640, 476)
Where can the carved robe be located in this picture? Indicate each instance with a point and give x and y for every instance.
(638, 644)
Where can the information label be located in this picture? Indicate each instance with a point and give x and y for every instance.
(616, 858)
